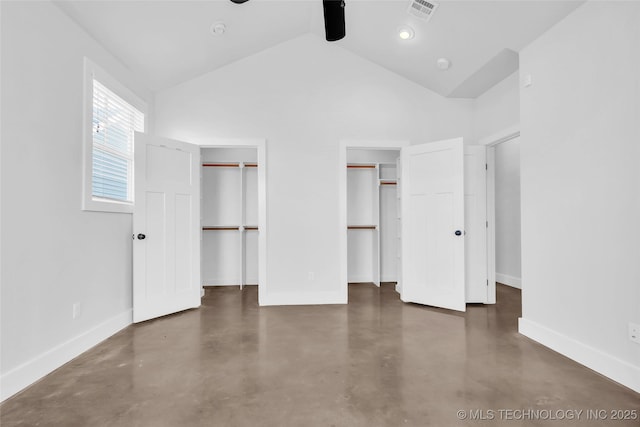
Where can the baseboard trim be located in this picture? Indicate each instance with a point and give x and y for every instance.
(304, 298)
(360, 279)
(618, 370)
(505, 279)
(231, 282)
(31, 371)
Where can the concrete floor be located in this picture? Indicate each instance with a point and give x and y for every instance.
(375, 362)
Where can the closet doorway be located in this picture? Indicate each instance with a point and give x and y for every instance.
(416, 215)
(233, 214)
(372, 216)
(369, 212)
(199, 219)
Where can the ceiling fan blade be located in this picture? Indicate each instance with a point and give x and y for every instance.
(334, 19)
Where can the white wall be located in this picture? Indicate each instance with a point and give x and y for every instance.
(507, 208)
(304, 96)
(580, 157)
(497, 109)
(54, 253)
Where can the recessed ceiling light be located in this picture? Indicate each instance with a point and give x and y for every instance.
(405, 33)
(218, 28)
(443, 64)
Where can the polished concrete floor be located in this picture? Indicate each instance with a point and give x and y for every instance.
(374, 362)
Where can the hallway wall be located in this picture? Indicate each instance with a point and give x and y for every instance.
(507, 198)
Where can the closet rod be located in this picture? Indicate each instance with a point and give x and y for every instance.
(361, 227)
(388, 183)
(250, 228)
(361, 166)
(221, 165)
(220, 228)
(250, 165)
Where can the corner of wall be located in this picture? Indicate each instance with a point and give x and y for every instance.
(610, 366)
(33, 370)
(497, 109)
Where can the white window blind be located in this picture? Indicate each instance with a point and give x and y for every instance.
(114, 122)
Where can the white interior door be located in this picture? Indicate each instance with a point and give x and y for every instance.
(166, 220)
(432, 209)
(475, 222)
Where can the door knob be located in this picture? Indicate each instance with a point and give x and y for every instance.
(457, 233)
(141, 236)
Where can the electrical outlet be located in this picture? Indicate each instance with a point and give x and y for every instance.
(634, 332)
(312, 276)
(76, 310)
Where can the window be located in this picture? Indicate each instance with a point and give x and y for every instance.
(112, 115)
(114, 121)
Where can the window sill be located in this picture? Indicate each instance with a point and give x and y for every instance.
(95, 205)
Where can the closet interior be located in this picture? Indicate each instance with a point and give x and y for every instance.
(373, 216)
(229, 216)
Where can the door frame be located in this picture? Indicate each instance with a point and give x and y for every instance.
(489, 297)
(260, 144)
(491, 142)
(345, 144)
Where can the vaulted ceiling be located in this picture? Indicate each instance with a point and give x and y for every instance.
(167, 42)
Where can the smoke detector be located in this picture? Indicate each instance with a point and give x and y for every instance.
(422, 9)
(218, 28)
(443, 64)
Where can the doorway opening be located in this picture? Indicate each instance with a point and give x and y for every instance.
(176, 217)
(503, 207)
(233, 215)
(372, 216)
(369, 214)
(507, 208)
(438, 232)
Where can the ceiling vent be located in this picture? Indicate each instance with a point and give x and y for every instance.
(422, 9)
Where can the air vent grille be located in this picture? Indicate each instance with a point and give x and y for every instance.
(422, 9)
